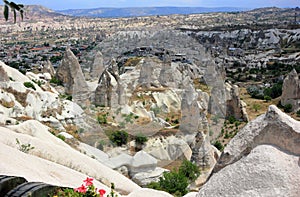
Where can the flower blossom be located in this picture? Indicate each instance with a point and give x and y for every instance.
(88, 181)
(81, 189)
(102, 192)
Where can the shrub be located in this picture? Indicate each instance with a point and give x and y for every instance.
(56, 81)
(231, 119)
(29, 85)
(102, 118)
(298, 113)
(219, 145)
(267, 98)
(288, 108)
(189, 170)
(63, 138)
(119, 137)
(256, 107)
(141, 139)
(174, 182)
(24, 147)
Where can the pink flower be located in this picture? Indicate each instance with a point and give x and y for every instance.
(102, 192)
(81, 189)
(88, 181)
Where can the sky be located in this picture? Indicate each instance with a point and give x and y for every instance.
(82, 4)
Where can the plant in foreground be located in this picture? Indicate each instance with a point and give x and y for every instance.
(87, 189)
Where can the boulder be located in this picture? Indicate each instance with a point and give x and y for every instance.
(145, 192)
(291, 90)
(142, 162)
(168, 148)
(144, 178)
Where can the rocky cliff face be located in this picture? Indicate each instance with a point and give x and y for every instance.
(291, 90)
(70, 73)
(261, 160)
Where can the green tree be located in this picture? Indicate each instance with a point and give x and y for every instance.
(141, 139)
(174, 182)
(298, 113)
(288, 108)
(189, 170)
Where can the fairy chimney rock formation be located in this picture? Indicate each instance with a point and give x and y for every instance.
(291, 90)
(98, 66)
(70, 73)
(48, 68)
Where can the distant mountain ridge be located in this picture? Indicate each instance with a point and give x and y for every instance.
(145, 11)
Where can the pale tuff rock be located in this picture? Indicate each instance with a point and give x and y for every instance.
(204, 154)
(48, 68)
(144, 178)
(55, 150)
(103, 93)
(145, 192)
(225, 102)
(169, 148)
(70, 73)
(261, 160)
(97, 67)
(169, 75)
(193, 111)
(291, 90)
(35, 169)
(149, 73)
(273, 128)
(265, 171)
(18, 101)
(111, 91)
(235, 106)
(3, 75)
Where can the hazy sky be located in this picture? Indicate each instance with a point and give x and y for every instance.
(71, 4)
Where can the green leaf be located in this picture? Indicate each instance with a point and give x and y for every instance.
(21, 5)
(22, 14)
(6, 12)
(14, 6)
(15, 16)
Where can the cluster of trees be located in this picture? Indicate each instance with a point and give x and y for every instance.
(265, 93)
